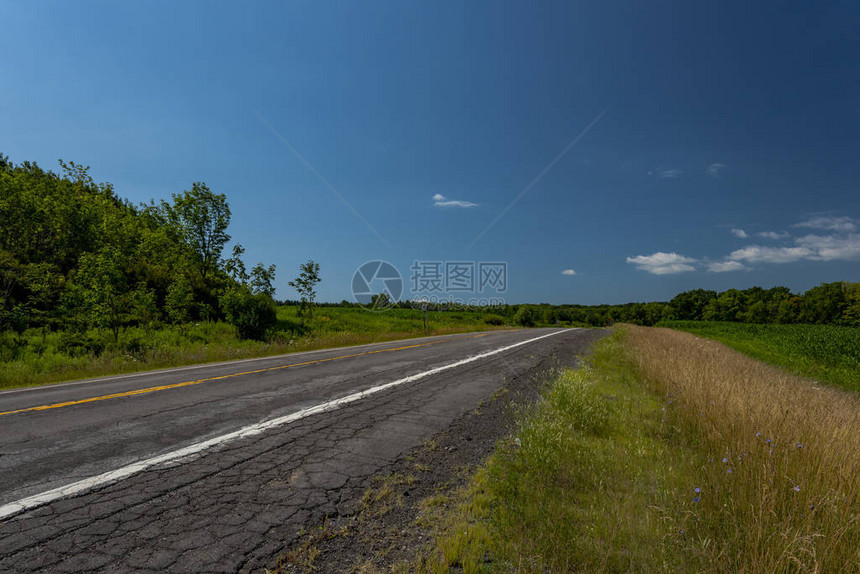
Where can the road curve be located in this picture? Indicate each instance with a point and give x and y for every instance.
(214, 467)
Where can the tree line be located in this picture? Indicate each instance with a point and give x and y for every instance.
(75, 256)
(829, 303)
(835, 303)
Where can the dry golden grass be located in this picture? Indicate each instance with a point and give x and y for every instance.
(778, 481)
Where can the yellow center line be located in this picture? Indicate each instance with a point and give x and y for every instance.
(222, 377)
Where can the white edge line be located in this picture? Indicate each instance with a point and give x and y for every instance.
(80, 486)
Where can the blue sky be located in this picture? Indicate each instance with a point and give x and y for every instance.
(726, 155)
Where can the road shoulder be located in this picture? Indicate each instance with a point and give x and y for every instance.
(378, 528)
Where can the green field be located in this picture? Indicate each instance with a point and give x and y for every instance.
(827, 353)
(38, 357)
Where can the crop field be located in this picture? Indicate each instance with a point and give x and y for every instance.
(828, 353)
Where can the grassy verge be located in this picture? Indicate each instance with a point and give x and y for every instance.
(669, 453)
(35, 358)
(828, 353)
(582, 486)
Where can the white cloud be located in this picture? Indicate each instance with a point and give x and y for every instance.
(842, 244)
(440, 200)
(774, 235)
(839, 247)
(663, 263)
(830, 247)
(724, 266)
(761, 254)
(714, 169)
(568, 272)
(661, 173)
(826, 223)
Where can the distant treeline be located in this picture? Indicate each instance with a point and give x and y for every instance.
(829, 303)
(74, 256)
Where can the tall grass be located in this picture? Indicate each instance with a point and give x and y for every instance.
(779, 457)
(673, 453)
(828, 353)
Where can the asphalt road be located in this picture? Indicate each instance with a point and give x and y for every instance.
(216, 467)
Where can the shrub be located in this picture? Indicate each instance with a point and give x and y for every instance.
(10, 346)
(252, 315)
(77, 344)
(526, 316)
(494, 320)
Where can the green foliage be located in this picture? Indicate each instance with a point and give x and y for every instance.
(75, 256)
(35, 356)
(494, 320)
(252, 314)
(305, 285)
(526, 316)
(691, 304)
(77, 344)
(202, 217)
(827, 304)
(179, 301)
(100, 290)
(851, 314)
(263, 279)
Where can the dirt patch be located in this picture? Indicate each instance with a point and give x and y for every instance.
(382, 532)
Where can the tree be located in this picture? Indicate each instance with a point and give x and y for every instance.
(823, 304)
(851, 315)
(263, 279)
(203, 218)
(142, 306)
(235, 267)
(731, 305)
(179, 301)
(756, 313)
(102, 290)
(787, 310)
(690, 305)
(305, 284)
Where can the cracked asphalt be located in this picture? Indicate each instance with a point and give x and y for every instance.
(233, 507)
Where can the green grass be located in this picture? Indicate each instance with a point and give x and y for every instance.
(582, 486)
(670, 453)
(36, 357)
(827, 353)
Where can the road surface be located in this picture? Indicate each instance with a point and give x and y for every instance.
(216, 467)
